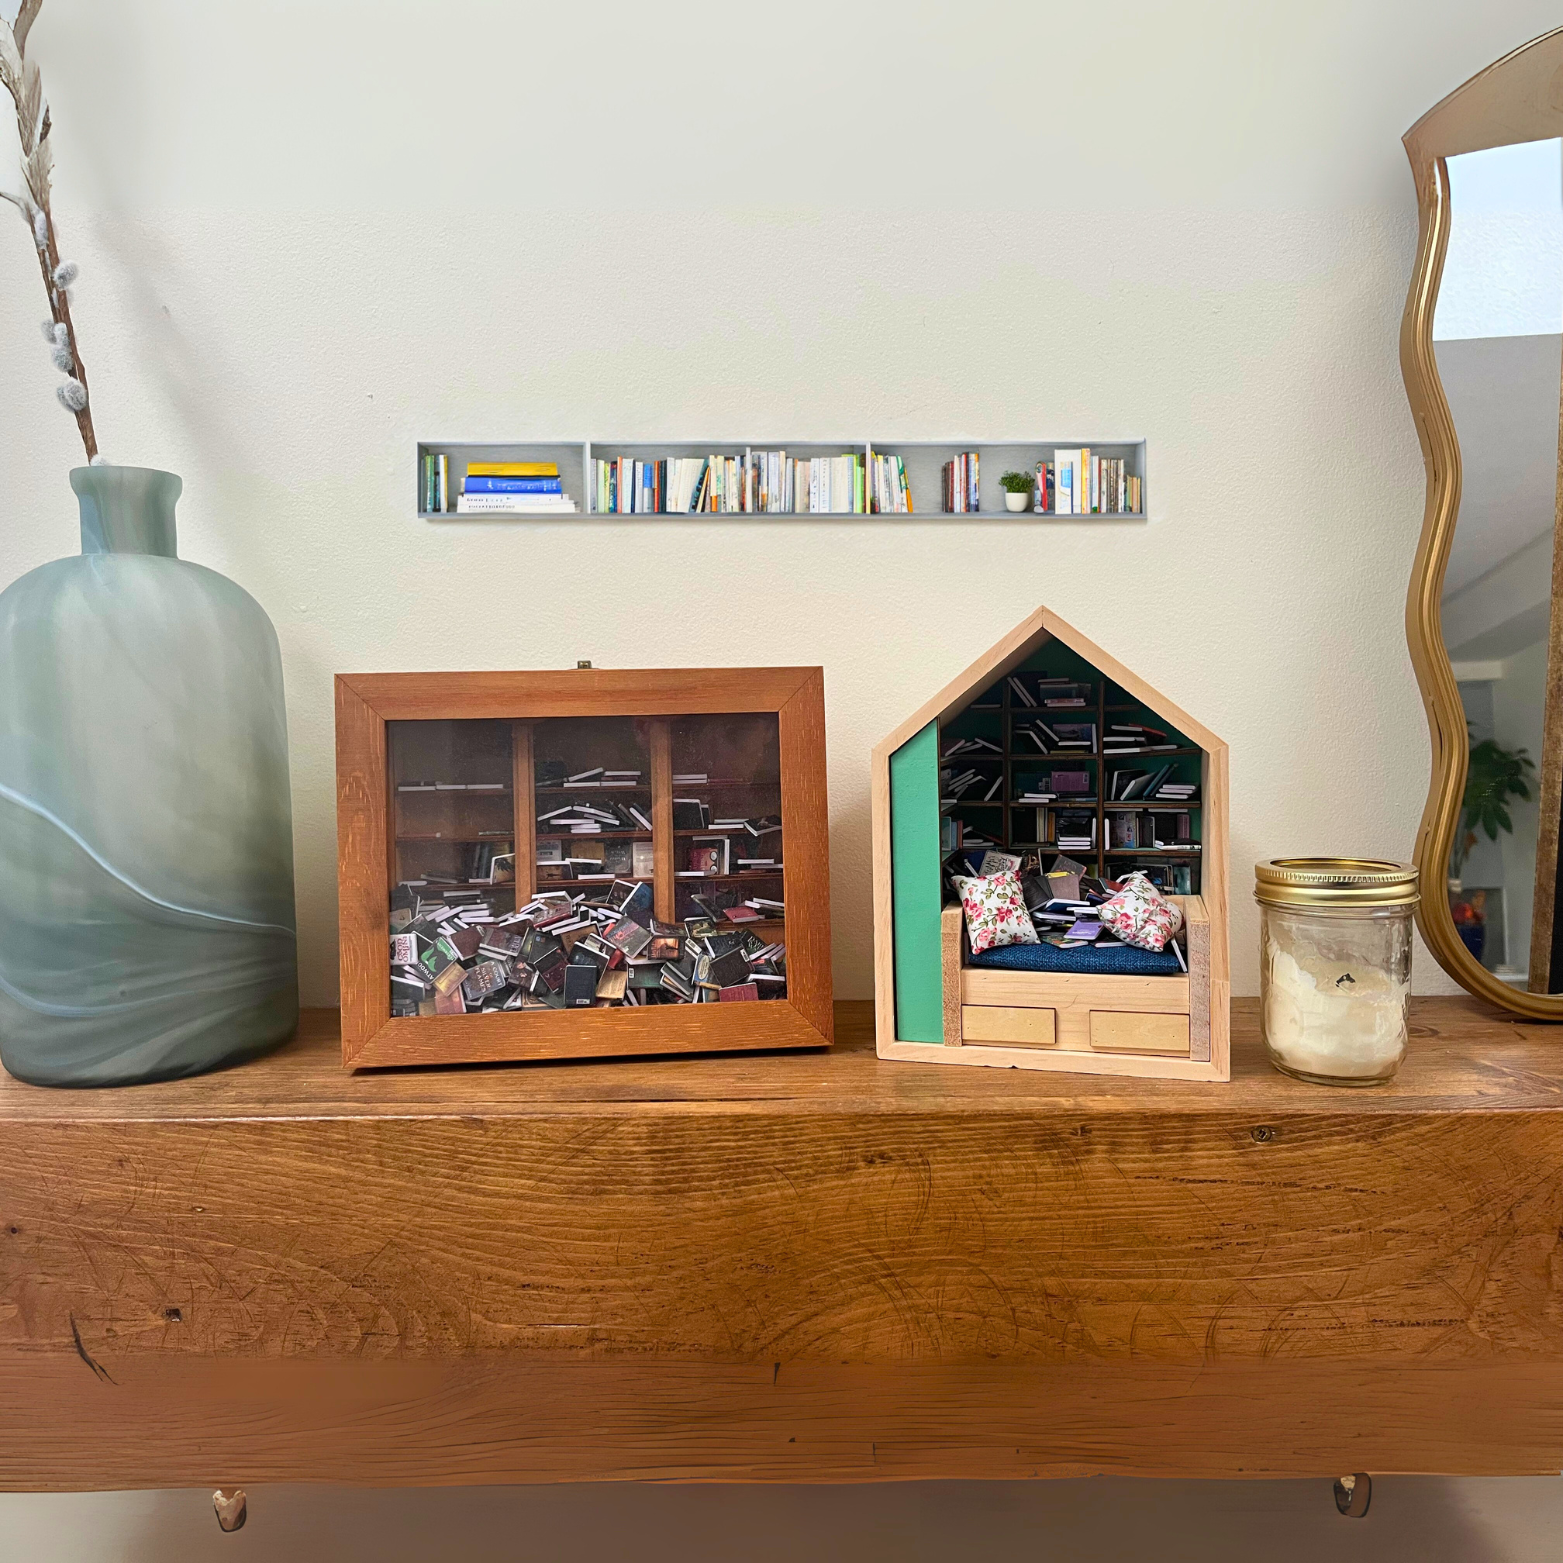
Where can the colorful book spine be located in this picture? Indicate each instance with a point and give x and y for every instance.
(512, 469)
(483, 485)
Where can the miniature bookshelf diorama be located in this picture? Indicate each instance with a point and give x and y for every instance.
(1050, 874)
(462, 480)
(565, 864)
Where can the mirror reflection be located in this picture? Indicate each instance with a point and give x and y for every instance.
(1498, 338)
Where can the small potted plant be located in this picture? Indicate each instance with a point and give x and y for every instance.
(1493, 776)
(1017, 490)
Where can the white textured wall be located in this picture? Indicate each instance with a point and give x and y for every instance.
(311, 233)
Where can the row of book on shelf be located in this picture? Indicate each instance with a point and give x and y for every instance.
(1078, 483)
(497, 488)
(1168, 859)
(761, 482)
(1073, 483)
(1124, 786)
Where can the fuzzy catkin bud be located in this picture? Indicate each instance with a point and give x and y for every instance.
(66, 273)
(40, 228)
(100, 460)
(72, 395)
(48, 333)
(61, 334)
(63, 360)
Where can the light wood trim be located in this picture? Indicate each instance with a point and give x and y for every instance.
(511, 696)
(805, 809)
(1121, 1031)
(1078, 1060)
(982, 1024)
(1196, 943)
(1073, 996)
(1012, 650)
(884, 898)
(1215, 899)
(1511, 101)
(663, 841)
(363, 863)
(951, 934)
(523, 773)
(1068, 990)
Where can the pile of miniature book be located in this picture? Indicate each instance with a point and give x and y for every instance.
(1020, 917)
(455, 952)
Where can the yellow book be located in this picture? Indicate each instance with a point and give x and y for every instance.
(512, 469)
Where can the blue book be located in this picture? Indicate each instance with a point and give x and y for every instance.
(515, 486)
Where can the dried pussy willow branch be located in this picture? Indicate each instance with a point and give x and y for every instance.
(19, 76)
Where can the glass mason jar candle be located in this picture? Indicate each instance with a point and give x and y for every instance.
(1335, 966)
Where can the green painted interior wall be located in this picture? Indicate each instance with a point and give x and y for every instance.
(916, 891)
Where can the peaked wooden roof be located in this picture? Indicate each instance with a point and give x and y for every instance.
(1011, 652)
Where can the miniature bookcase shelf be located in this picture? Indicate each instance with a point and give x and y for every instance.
(1120, 800)
(1050, 750)
(489, 813)
(923, 462)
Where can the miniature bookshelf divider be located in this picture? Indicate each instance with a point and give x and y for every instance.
(560, 844)
(1117, 763)
(923, 461)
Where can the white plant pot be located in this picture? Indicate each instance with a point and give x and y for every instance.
(1017, 501)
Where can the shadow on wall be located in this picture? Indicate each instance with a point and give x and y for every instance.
(1426, 1519)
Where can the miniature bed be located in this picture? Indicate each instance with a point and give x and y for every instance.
(1008, 719)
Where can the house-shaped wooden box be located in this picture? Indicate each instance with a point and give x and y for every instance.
(1135, 783)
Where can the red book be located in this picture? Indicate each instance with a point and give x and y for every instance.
(705, 860)
(741, 914)
(746, 992)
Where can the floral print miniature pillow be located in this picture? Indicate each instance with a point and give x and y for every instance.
(995, 911)
(1141, 915)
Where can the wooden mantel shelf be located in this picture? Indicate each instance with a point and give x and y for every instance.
(806, 1267)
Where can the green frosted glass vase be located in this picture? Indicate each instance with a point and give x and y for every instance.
(146, 833)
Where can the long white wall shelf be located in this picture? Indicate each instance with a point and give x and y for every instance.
(923, 460)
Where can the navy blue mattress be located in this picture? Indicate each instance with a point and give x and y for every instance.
(1115, 961)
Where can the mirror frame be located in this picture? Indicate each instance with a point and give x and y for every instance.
(1520, 98)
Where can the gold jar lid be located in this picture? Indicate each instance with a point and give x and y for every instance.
(1342, 882)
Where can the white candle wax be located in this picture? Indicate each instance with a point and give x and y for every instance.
(1334, 1017)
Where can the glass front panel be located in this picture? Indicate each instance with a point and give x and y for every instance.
(585, 862)
(1498, 338)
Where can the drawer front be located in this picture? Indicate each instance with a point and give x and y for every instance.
(1123, 1031)
(993, 1025)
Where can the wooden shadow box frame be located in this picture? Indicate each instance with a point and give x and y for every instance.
(366, 862)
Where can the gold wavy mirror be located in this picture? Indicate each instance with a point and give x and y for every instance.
(1481, 347)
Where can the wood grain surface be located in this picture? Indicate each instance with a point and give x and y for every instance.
(791, 1267)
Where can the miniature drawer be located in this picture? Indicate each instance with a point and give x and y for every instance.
(1122, 1031)
(993, 1024)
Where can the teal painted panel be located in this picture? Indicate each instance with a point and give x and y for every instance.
(916, 894)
